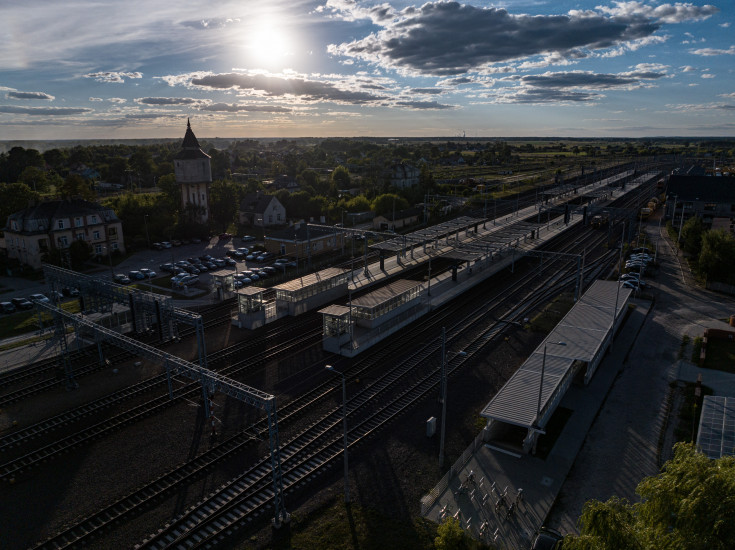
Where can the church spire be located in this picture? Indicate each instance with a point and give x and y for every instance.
(190, 140)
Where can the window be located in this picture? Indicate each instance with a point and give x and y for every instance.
(60, 224)
(112, 231)
(94, 219)
(96, 235)
(14, 225)
(79, 236)
(113, 246)
(270, 219)
(98, 249)
(78, 222)
(202, 197)
(63, 242)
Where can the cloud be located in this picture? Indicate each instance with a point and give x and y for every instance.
(215, 23)
(688, 69)
(276, 86)
(544, 96)
(30, 95)
(235, 108)
(589, 80)
(456, 81)
(44, 111)
(117, 100)
(113, 77)
(665, 13)
(708, 52)
(431, 105)
(708, 75)
(725, 25)
(96, 99)
(731, 95)
(167, 100)
(448, 38)
(427, 91)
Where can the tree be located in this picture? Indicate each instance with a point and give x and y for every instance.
(691, 235)
(79, 252)
(224, 202)
(35, 178)
(75, 185)
(717, 257)
(15, 197)
(688, 506)
(388, 203)
(450, 536)
(341, 177)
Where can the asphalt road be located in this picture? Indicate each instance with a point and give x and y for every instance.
(621, 448)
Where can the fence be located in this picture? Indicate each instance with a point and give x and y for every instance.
(427, 501)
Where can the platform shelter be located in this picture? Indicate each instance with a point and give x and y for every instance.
(223, 281)
(518, 414)
(311, 291)
(251, 308)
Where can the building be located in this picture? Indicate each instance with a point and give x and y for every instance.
(261, 210)
(710, 198)
(404, 175)
(193, 171)
(282, 182)
(32, 232)
(400, 219)
(299, 241)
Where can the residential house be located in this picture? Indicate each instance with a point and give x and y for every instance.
(32, 232)
(404, 175)
(282, 182)
(401, 218)
(299, 240)
(261, 210)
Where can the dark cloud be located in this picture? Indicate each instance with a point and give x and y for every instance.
(31, 95)
(430, 105)
(550, 95)
(167, 100)
(234, 108)
(275, 86)
(446, 38)
(457, 81)
(428, 91)
(44, 111)
(588, 80)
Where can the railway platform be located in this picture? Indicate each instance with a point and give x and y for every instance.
(475, 483)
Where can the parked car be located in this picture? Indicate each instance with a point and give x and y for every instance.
(148, 272)
(176, 242)
(136, 275)
(166, 244)
(280, 261)
(70, 291)
(22, 303)
(251, 257)
(219, 262)
(167, 267)
(264, 257)
(248, 238)
(192, 270)
(225, 236)
(121, 278)
(7, 307)
(270, 270)
(196, 240)
(229, 261)
(547, 539)
(39, 298)
(157, 246)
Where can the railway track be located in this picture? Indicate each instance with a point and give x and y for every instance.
(257, 503)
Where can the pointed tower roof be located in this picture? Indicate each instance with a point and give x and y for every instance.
(190, 148)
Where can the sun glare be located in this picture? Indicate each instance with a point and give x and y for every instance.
(268, 46)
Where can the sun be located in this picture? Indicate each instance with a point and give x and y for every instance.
(268, 45)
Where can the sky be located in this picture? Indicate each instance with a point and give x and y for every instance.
(130, 69)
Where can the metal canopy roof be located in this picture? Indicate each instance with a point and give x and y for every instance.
(716, 437)
(461, 255)
(310, 279)
(582, 331)
(250, 291)
(385, 293)
(335, 310)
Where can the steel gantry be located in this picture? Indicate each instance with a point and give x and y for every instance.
(210, 381)
(148, 309)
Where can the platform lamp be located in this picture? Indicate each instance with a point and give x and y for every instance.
(344, 426)
(541, 384)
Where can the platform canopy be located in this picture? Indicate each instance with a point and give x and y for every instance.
(312, 279)
(716, 437)
(578, 337)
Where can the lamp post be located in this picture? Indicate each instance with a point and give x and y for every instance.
(147, 235)
(344, 426)
(109, 257)
(541, 384)
(443, 393)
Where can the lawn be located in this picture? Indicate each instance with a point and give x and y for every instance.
(23, 322)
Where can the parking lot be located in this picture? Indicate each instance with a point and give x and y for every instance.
(148, 264)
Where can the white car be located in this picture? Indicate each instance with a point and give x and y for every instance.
(39, 298)
(147, 272)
